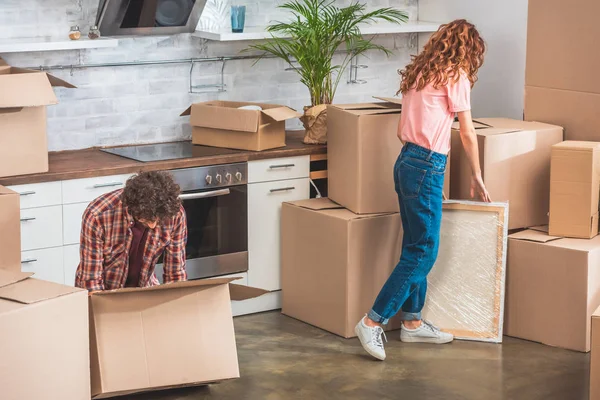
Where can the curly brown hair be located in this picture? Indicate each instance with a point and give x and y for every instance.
(152, 196)
(455, 48)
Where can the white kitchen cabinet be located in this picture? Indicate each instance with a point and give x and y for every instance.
(264, 211)
(41, 228)
(72, 215)
(46, 264)
(87, 189)
(278, 169)
(39, 194)
(70, 263)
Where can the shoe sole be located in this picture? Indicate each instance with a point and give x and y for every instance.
(366, 348)
(425, 340)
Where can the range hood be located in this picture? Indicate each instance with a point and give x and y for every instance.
(148, 17)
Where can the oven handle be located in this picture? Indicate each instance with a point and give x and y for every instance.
(203, 195)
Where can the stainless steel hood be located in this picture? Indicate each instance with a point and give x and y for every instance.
(148, 17)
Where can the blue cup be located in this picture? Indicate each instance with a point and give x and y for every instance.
(238, 18)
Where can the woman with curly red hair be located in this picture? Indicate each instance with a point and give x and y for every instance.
(435, 87)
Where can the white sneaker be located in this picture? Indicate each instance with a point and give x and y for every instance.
(426, 333)
(370, 338)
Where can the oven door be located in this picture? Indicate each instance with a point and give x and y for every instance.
(217, 222)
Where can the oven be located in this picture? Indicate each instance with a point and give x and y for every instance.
(215, 199)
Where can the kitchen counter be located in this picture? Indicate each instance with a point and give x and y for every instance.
(89, 163)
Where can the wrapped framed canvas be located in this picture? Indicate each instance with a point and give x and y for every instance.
(465, 294)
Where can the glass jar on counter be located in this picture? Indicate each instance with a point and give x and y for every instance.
(74, 33)
(94, 32)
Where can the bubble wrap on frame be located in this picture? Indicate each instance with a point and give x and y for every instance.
(465, 293)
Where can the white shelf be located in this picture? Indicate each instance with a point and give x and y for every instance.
(23, 45)
(260, 33)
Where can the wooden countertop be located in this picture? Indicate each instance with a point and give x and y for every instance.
(89, 163)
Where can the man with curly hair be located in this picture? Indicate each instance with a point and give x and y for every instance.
(125, 232)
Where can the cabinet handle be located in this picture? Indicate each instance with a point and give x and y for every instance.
(108, 184)
(28, 193)
(26, 219)
(285, 189)
(29, 261)
(282, 166)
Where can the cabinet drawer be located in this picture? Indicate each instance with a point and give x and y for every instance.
(277, 169)
(264, 216)
(39, 194)
(88, 189)
(41, 228)
(72, 214)
(70, 262)
(46, 264)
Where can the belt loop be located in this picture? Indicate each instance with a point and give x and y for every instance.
(429, 155)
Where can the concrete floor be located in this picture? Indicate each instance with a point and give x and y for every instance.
(281, 358)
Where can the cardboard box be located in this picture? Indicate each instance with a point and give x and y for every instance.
(595, 357)
(334, 262)
(44, 340)
(563, 90)
(223, 124)
(10, 234)
(25, 95)
(552, 289)
(574, 189)
(515, 163)
(362, 148)
(165, 336)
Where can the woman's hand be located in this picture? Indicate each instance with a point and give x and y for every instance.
(478, 189)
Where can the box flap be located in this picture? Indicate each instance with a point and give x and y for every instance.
(240, 292)
(369, 108)
(26, 90)
(168, 286)
(395, 100)
(531, 235)
(493, 126)
(322, 203)
(4, 191)
(596, 313)
(281, 113)
(10, 277)
(30, 291)
(217, 115)
(188, 111)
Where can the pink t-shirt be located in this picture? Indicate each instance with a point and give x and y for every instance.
(427, 115)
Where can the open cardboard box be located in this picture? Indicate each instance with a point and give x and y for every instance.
(44, 341)
(23, 142)
(515, 163)
(165, 336)
(224, 124)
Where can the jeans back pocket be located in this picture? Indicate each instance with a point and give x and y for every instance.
(410, 180)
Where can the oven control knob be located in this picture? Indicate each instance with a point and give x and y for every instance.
(238, 176)
(228, 177)
(208, 179)
(219, 178)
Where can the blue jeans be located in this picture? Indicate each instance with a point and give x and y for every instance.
(419, 179)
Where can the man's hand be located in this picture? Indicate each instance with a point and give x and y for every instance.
(478, 188)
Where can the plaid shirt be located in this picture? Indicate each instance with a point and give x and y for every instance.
(106, 238)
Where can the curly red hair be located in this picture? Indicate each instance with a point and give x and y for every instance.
(455, 48)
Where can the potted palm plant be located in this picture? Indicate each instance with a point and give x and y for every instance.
(308, 42)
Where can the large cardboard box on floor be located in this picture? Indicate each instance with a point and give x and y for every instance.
(515, 163)
(575, 189)
(564, 90)
(552, 289)
(225, 124)
(25, 95)
(165, 336)
(334, 262)
(595, 357)
(44, 339)
(10, 232)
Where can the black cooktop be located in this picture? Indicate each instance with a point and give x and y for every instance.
(167, 151)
